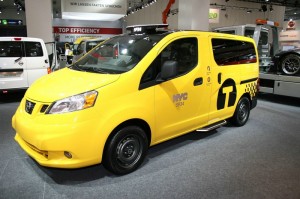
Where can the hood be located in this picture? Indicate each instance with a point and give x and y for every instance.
(65, 83)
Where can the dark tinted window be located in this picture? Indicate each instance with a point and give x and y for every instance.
(263, 39)
(10, 49)
(232, 32)
(33, 49)
(230, 52)
(184, 51)
(91, 44)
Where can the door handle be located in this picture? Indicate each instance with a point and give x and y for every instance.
(18, 59)
(21, 63)
(219, 78)
(198, 81)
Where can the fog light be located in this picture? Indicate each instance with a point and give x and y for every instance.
(68, 154)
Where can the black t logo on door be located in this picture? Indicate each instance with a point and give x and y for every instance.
(228, 88)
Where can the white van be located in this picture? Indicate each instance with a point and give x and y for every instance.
(22, 61)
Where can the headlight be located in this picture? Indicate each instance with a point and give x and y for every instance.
(74, 103)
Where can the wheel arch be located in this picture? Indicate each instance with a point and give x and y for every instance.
(136, 122)
(249, 98)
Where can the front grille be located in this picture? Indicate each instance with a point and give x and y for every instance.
(29, 106)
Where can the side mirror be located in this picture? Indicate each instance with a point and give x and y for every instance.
(168, 70)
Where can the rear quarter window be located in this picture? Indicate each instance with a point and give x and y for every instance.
(10, 49)
(233, 52)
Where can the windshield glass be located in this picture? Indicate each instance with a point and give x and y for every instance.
(118, 54)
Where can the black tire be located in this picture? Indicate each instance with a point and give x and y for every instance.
(290, 64)
(242, 112)
(125, 150)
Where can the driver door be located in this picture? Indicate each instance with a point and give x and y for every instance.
(181, 103)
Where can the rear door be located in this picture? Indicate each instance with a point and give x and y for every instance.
(13, 73)
(37, 60)
(233, 65)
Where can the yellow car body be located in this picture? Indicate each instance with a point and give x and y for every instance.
(163, 108)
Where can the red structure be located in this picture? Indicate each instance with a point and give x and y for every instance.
(166, 11)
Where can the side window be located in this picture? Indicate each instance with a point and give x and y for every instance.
(232, 32)
(249, 32)
(232, 52)
(10, 49)
(184, 51)
(90, 45)
(33, 49)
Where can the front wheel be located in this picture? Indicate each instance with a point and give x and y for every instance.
(125, 150)
(290, 64)
(242, 112)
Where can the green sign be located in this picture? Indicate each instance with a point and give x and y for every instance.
(213, 15)
(4, 22)
(10, 22)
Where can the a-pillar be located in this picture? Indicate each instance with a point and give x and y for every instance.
(193, 15)
(39, 19)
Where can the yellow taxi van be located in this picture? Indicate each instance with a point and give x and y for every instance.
(134, 91)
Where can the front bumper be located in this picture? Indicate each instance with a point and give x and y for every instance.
(50, 139)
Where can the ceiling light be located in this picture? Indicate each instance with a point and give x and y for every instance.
(264, 8)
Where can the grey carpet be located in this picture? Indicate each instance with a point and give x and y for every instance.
(259, 160)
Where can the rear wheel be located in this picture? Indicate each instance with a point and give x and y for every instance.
(290, 64)
(242, 112)
(125, 150)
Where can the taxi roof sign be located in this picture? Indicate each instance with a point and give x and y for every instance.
(142, 29)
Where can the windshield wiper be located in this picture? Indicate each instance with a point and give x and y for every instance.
(99, 70)
(76, 67)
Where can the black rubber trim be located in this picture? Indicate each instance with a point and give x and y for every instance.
(12, 70)
(249, 80)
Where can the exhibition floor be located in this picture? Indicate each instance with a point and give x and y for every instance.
(259, 160)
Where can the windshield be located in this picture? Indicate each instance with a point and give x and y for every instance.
(118, 54)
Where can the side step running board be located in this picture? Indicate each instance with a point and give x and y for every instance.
(212, 126)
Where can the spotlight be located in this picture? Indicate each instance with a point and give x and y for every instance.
(264, 8)
(249, 11)
(271, 8)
